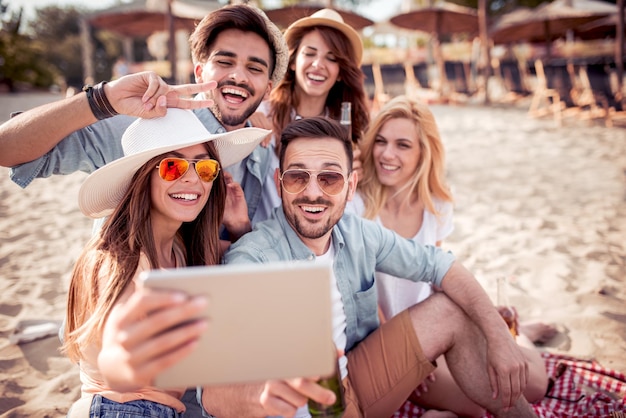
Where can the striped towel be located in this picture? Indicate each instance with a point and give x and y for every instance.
(577, 388)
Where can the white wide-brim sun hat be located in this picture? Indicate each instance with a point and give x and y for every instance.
(144, 139)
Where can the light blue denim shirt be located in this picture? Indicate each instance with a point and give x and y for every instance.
(362, 247)
(92, 147)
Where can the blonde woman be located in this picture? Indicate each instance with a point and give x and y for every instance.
(403, 187)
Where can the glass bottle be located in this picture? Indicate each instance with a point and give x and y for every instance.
(336, 410)
(506, 310)
(346, 117)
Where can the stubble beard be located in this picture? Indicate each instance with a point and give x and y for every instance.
(233, 120)
(308, 230)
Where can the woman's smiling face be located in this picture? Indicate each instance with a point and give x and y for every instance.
(396, 152)
(316, 66)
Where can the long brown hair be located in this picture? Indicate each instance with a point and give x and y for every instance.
(428, 181)
(109, 261)
(348, 88)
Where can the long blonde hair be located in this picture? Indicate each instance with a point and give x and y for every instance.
(428, 181)
(110, 260)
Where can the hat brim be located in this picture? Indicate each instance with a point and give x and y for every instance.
(281, 60)
(103, 189)
(347, 30)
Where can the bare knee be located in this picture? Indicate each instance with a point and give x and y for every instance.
(438, 322)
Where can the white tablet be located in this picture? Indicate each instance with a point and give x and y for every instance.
(267, 321)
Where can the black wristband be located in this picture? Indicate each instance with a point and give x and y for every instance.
(98, 102)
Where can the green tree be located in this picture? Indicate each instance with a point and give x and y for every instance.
(58, 29)
(20, 62)
(49, 50)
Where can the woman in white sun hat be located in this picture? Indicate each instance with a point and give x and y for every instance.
(165, 202)
(324, 70)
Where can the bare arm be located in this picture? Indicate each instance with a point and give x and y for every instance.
(33, 133)
(234, 400)
(508, 368)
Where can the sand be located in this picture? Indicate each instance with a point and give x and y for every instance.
(543, 206)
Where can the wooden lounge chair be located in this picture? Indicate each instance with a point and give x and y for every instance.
(380, 97)
(592, 104)
(545, 101)
(414, 89)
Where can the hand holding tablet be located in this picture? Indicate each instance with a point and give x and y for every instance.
(267, 321)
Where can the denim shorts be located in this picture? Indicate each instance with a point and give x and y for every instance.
(106, 408)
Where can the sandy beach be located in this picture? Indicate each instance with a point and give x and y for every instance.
(544, 206)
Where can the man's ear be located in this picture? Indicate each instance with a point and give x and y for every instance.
(353, 180)
(268, 90)
(198, 69)
(277, 182)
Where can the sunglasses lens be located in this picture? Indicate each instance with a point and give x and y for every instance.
(331, 182)
(207, 169)
(171, 169)
(294, 181)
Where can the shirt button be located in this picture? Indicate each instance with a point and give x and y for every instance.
(310, 257)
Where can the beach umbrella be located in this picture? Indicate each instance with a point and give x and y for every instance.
(608, 27)
(144, 17)
(437, 20)
(441, 19)
(605, 27)
(285, 16)
(546, 22)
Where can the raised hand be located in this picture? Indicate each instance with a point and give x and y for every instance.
(236, 218)
(146, 334)
(259, 120)
(147, 95)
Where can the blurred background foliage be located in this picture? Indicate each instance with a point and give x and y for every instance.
(46, 51)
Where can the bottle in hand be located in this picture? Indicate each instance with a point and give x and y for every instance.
(346, 117)
(506, 310)
(333, 382)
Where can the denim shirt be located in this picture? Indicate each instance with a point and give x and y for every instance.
(362, 247)
(92, 147)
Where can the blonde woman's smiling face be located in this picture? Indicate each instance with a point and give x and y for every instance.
(396, 152)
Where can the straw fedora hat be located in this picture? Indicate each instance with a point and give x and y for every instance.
(280, 47)
(330, 18)
(144, 139)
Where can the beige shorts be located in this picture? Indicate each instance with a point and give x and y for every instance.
(384, 369)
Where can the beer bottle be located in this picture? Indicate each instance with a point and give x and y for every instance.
(333, 382)
(346, 117)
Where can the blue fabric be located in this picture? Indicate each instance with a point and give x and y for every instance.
(362, 247)
(105, 408)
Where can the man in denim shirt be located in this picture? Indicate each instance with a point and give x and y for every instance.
(236, 46)
(382, 364)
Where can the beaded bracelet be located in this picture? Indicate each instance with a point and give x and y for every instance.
(98, 102)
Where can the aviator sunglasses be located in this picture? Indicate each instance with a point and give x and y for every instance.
(296, 180)
(171, 169)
